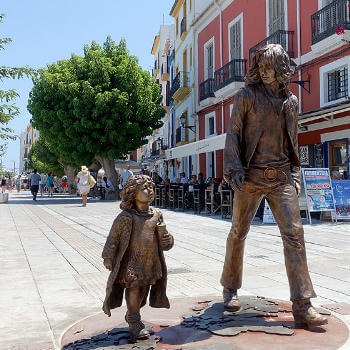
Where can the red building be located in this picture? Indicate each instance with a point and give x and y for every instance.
(315, 34)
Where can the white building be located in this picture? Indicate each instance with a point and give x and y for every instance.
(183, 89)
(153, 153)
(27, 138)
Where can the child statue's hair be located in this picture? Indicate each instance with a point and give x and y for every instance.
(130, 188)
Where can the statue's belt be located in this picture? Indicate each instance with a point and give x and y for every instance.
(272, 174)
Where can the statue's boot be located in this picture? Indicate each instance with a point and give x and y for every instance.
(231, 301)
(136, 327)
(306, 315)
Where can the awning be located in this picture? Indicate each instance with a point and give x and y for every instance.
(324, 112)
(202, 146)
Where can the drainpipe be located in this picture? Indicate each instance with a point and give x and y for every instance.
(221, 54)
(299, 56)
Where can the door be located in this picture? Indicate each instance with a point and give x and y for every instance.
(338, 158)
(276, 16)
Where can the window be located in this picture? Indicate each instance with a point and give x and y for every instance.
(334, 82)
(211, 126)
(210, 62)
(276, 15)
(210, 129)
(235, 38)
(191, 58)
(338, 84)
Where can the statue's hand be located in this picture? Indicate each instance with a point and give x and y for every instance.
(108, 264)
(165, 240)
(234, 178)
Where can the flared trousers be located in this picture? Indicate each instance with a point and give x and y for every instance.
(283, 201)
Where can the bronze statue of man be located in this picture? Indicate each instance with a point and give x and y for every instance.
(261, 160)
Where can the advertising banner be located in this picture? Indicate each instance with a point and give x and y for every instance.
(341, 191)
(318, 189)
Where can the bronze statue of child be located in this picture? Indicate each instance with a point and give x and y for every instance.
(134, 254)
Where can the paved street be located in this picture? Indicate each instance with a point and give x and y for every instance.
(52, 273)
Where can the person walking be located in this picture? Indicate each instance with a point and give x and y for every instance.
(43, 179)
(34, 183)
(18, 183)
(64, 184)
(83, 184)
(3, 184)
(49, 184)
(9, 184)
(125, 175)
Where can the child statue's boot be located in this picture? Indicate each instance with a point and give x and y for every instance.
(231, 301)
(136, 327)
(306, 315)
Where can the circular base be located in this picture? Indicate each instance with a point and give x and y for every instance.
(202, 323)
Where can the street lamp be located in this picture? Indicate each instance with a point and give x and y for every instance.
(183, 123)
(302, 83)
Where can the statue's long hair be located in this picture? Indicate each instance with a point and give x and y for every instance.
(128, 194)
(275, 56)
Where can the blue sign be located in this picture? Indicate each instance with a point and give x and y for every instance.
(341, 191)
(318, 189)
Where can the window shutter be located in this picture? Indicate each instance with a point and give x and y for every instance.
(210, 61)
(235, 41)
(276, 15)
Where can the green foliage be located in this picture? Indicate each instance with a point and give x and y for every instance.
(42, 158)
(101, 104)
(8, 109)
(3, 149)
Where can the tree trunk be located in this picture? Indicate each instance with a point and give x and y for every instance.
(70, 172)
(110, 172)
(95, 166)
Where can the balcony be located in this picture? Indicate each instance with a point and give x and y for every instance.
(282, 37)
(206, 89)
(164, 72)
(324, 24)
(183, 28)
(180, 87)
(229, 78)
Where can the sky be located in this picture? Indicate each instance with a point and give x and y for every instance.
(45, 31)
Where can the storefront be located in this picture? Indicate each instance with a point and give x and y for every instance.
(324, 141)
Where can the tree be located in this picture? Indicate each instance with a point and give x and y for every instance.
(101, 105)
(43, 159)
(8, 110)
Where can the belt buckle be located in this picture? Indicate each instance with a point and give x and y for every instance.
(270, 174)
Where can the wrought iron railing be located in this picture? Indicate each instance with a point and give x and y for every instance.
(235, 70)
(282, 37)
(183, 26)
(206, 89)
(325, 22)
(180, 81)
